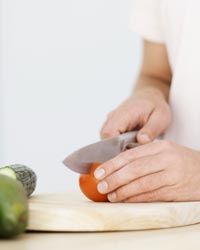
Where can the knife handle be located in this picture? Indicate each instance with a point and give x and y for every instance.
(128, 140)
(129, 145)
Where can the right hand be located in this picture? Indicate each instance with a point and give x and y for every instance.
(147, 112)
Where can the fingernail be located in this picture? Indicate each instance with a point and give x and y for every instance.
(112, 197)
(99, 173)
(144, 137)
(102, 187)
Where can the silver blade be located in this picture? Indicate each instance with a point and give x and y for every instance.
(102, 151)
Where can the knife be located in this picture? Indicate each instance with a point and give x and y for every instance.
(102, 151)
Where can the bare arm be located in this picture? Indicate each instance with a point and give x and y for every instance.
(155, 74)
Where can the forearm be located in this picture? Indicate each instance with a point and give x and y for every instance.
(152, 85)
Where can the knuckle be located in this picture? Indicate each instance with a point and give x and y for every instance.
(133, 171)
(163, 194)
(113, 165)
(138, 198)
(114, 181)
(141, 198)
(166, 195)
(116, 163)
(127, 155)
(121, 193)
(127, 115)
(150, 197)
(121, 159)
(149, 132)
(157, 195)
(142, 186)
(125, 173)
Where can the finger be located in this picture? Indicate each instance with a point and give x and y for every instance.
(164, 194)
(126, 157)
(155, 126)
(142, 185)
(107, 132)
(118, 122)
(130, 172)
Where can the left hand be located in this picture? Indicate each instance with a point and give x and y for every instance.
(158, 171)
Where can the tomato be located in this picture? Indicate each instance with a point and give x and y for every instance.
(88, 185)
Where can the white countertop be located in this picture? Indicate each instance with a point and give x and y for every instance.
(184, 238)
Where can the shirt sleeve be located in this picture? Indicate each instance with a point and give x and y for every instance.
(146, 20)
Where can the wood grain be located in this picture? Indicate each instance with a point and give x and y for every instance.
(71, 212)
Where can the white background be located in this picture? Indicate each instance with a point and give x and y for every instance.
(64, 65)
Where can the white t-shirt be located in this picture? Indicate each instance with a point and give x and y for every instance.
(176, 24)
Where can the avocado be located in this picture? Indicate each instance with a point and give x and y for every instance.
(13, 207)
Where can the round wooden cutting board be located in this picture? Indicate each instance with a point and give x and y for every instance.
(69, 212)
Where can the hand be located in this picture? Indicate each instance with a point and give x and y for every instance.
(158, 171)
(146, 111)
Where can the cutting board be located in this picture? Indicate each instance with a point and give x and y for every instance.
(69, 212)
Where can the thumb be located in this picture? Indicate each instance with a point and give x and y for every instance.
(154, 127)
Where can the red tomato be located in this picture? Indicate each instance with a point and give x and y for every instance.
(88, 185)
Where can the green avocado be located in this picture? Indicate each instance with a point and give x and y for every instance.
(13, 207)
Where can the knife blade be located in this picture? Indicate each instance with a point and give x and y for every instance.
(102, 151)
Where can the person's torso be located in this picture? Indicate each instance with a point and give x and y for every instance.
(180, 25)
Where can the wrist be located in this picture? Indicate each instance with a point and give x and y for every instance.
(149, 93)
(152, 87)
